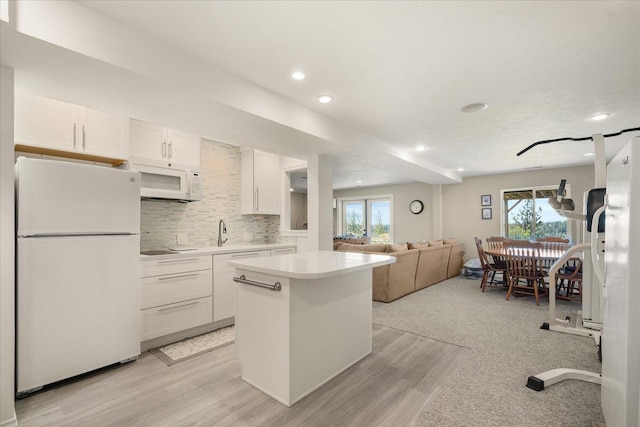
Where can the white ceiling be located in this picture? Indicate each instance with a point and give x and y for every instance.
(401, 71)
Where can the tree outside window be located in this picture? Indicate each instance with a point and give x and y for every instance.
(529, 215)
(368, 218)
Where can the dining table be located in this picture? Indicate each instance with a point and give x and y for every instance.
(547, 253)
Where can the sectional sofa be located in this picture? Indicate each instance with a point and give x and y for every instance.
(417, 266)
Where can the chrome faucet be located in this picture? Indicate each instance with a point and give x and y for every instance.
(222, 228)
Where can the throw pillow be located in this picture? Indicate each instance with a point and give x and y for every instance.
(450, 241)
(436, 242)
(396, 248)
(418, 245)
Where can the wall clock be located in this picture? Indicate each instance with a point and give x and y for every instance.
(416, 206)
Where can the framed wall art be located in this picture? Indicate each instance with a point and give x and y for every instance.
(485, 200)
(486, 213)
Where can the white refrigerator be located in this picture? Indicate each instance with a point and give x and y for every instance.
(621, 308)
(78, 269)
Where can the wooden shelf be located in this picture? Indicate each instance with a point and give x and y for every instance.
(68, 154)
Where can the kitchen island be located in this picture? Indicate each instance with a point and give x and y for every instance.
(303, 318)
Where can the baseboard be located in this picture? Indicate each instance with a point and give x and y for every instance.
(11, 422)
(187, 333)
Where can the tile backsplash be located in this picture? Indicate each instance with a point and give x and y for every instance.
(162, 221)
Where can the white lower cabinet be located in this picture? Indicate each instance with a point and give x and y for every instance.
(170, 318)
(224, 288)
(183, 292)
(176, 295)
(283, 251)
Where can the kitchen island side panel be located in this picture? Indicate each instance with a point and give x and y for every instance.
(262, 335)
(330, 328)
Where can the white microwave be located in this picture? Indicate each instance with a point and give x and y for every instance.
(169, 183)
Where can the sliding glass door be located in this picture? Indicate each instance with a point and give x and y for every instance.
(371, 217)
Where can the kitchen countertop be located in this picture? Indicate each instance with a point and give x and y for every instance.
(313, 265)
(216, 250)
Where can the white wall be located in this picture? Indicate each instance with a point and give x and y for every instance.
(461, 202)
(7, 250)
(407, 227)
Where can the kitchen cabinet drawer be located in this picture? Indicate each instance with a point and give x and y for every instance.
(283, 251)
(171, 318)
(221, 260)
(183, 264)
(172, 288)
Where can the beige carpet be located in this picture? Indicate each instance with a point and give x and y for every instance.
(193, 347)
(507, 346)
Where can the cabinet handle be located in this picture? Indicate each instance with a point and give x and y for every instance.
(257, 200)
(178, 260)
(245, 255)
(164, 149)
(170, 149)
(84, 138)
(178, 277)
(74, 136)
(179, 306)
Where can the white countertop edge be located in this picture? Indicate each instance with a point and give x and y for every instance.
(218, 250)
(286, 265)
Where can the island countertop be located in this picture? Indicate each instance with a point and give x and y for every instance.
(313, 265)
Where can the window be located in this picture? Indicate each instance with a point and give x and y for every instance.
(369, 217)
(528, 215)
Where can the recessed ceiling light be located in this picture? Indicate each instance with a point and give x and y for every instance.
(298, 75)
(291, 189)
(460, 169)
(474, 108)
(421, 148)
(325, 99)
(358, 182)
(598, 117)
(588, 154)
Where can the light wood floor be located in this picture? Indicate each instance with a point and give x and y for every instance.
(390, 387)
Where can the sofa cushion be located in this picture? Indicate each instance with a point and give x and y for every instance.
(456, 260)
(396, 280)
(432, 265)
(450, 241)
(376, 247)
(396, 248)
(418, 245)
(436, 242)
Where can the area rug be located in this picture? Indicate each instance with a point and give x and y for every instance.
(194, 347)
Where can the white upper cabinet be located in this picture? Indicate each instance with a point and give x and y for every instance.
(59, 128)
(104, 134)
(260, 183)
(160, 146)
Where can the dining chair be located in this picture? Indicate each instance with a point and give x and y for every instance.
(497, 243)
(573, 277)
(552, 243)
(525, 272)
(488, 267)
